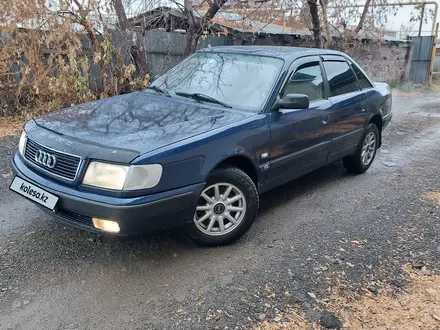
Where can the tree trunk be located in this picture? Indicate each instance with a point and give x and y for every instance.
(120, 12)
(314, 14)
(362, 19)
(88, 26)
(194, 32)
(96, 45)
(213, 9)
(136, 51)
(328, 36)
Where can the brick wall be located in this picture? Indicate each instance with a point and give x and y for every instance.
(384, 63)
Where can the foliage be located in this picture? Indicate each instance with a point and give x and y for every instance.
(45, 66)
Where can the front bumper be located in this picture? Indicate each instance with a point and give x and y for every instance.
(134, 215)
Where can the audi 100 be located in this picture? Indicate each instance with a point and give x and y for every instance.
(197, 148)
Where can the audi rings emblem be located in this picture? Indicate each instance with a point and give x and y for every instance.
(46, 159)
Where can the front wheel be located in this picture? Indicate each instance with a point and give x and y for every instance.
(365, 152)
(226, 208)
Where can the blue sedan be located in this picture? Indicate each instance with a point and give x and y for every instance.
(199, 146)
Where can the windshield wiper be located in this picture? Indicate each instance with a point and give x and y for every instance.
(159, 90)
(202, 97)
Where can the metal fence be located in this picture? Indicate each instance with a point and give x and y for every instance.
(163, 50)
(437, 64)
(166, 49)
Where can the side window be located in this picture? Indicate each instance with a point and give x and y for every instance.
(340, 77)
(363, 80)
(307, 79)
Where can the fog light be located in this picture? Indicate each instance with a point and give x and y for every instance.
(106, 225)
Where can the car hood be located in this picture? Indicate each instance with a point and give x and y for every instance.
(138, 121)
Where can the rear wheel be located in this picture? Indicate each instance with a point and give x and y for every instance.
(226, 208)
(365, 152)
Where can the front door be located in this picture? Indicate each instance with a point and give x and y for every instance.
(300, 138)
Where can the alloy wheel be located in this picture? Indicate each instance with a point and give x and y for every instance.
(368, 149)
(220, 209)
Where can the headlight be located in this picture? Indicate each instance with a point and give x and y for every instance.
(22, 143)
(143, 176)
(104, 175)
(121, 177)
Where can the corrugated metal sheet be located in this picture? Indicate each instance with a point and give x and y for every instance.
(166, 49)
(264, 28)
(421, 61)
(437, 64)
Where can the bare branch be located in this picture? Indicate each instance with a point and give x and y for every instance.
(362, 19)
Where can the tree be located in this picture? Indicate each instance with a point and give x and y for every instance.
(344, 13)
(196, 25)
(362, 19)
(137, 52)
(122, 16)
(316, 22)
(326, 24)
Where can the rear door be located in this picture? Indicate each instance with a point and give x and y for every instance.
(301, 138)
(349, 106)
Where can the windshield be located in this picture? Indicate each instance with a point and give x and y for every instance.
(241, 81)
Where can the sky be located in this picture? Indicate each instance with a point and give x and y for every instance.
(403, 16)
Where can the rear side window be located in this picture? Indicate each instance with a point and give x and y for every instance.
(340, 77)
(307, 79)
(363, 80)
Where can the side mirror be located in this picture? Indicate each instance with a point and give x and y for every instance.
(292, 101)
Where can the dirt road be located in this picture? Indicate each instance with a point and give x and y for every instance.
(311, 235)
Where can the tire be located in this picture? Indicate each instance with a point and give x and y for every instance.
(361, 161)
(219, 219)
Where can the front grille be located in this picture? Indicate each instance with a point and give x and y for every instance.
(66, 165)
(75, 217)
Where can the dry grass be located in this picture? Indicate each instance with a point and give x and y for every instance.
(418, 90)
(417, 308)
(10, 125)
(293, 319)
(433, 196)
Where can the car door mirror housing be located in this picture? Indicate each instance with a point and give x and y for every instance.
(292, 101)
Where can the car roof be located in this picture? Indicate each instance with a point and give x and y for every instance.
(284, 52)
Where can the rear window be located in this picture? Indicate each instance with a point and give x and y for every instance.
(362, 78)
(340, 77)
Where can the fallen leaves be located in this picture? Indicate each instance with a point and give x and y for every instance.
(433, 196)
(10, 125)
(416, 308)
(292, 320)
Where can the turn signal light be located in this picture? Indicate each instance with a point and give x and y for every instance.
(106, 225)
